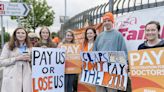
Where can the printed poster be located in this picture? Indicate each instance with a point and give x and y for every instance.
(147, 70)
(73, 61)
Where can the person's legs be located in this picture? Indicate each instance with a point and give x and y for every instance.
(70, 82)
(100, 89)
(111, 90)
(66, 83)
(75, 83)
(129, 89)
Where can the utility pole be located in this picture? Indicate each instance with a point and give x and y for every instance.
(65, 14)
(65, 10)
(2, 32)
(18, 18)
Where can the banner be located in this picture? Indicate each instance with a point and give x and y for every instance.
(48, 69)
(132, 25)
(147, 70)
(73, 62)
(106, 69)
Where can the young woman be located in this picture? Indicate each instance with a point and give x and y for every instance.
(69, 38)
(90, 36)
(109, 40)
(45, 38)
(70, 79)
(15, 57)
(152, 30)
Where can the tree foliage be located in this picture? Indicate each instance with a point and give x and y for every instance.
(40, 14)
(6, 37)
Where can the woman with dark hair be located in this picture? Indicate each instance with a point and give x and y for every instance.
(15, 57)
(45, 38)
(90, 36)
(152, 33)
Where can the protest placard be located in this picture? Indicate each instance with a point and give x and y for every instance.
(73, 62)
(147, 70)
(108, 69)
(48, 69)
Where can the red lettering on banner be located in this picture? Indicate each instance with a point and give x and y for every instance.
(43, 83)
(141, 32)
(133, 34)
(1, 7)
(101, 66)
(136, 34)
(33, 82)
(162, 33)
(127, 22)
(93, 66)
(123, 31)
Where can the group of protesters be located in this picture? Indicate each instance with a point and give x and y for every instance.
(15, 56)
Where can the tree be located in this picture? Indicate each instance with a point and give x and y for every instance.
(40, 15)
(6, 37)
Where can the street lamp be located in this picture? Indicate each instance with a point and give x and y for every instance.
(33, 15)
(2, 32)
(65, 11)
(65, 14)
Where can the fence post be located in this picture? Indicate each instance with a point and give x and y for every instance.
(111, 5)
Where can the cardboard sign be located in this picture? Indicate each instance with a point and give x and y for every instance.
(147, 70)
(106, 69)
(48, 69)
(73, 62)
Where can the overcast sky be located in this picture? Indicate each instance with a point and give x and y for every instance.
(73, 7)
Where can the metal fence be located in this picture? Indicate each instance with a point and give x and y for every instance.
(117, 7)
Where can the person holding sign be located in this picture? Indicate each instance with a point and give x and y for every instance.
(70, 79)
(90, 37)
(16, 59)
(109, 40)
(45, 38)
(152, 31)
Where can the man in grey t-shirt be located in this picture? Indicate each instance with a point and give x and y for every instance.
(109, 40)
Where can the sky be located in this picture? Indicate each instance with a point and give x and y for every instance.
(74, 7)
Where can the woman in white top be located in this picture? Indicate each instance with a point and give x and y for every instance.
(15, 58)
